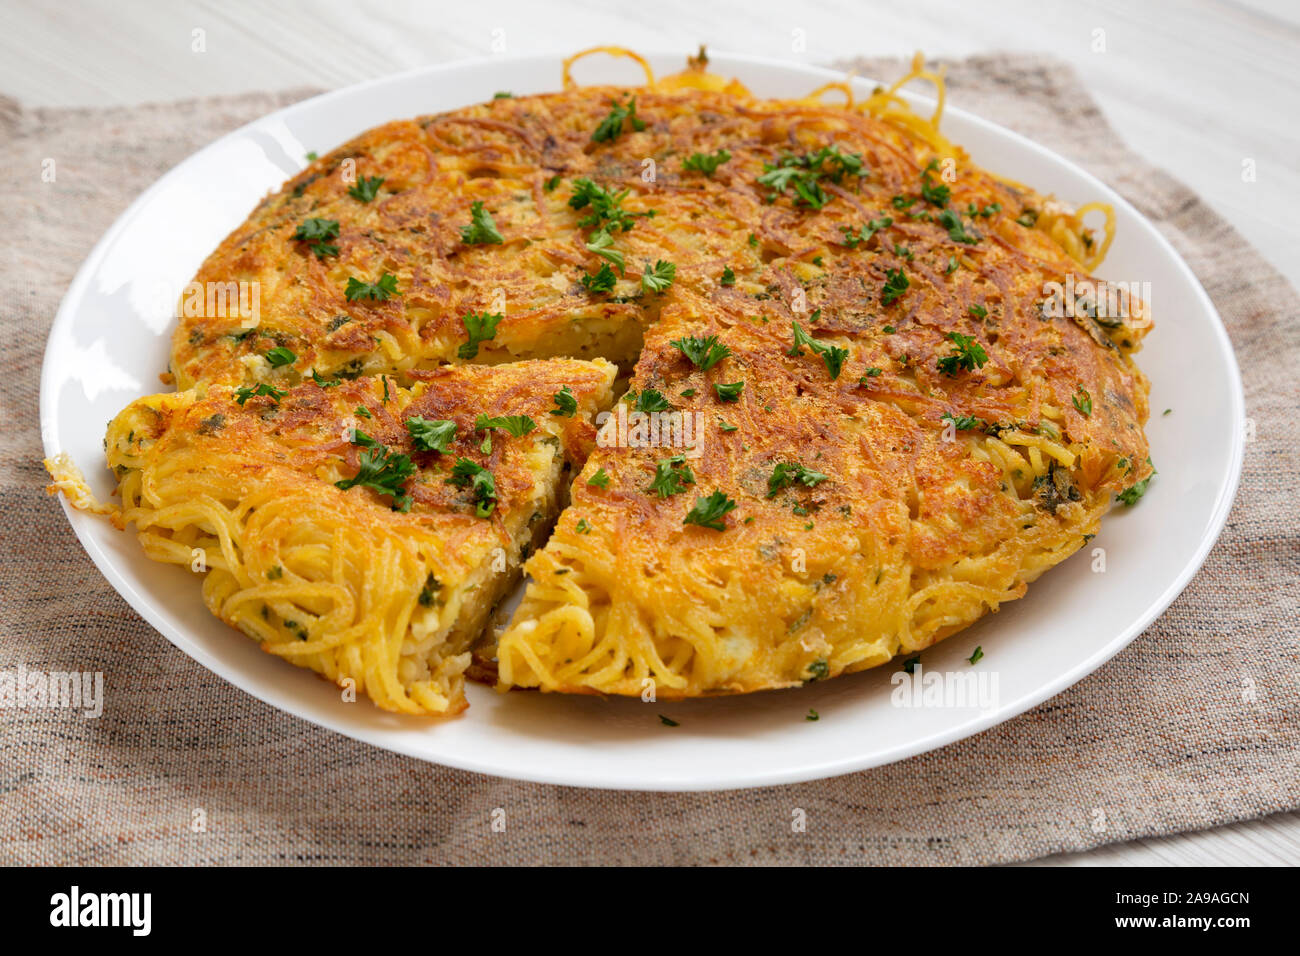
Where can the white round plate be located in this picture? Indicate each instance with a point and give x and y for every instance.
(111, 337)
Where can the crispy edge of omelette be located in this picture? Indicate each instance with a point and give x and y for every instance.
(386, 583)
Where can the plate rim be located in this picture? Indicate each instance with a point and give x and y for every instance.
(579, 776)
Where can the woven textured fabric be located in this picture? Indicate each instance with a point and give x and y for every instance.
(1159, 739)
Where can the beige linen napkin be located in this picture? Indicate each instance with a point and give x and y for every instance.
(1159, 739)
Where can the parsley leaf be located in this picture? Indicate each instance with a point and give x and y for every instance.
(366, 188)
(956, 229)
(864, 233)
(1131, 495)
(279, 356)
(516, 425)
(482, 228)
(380, 291)
(706, 163)
(672, 475)
(832, 355)
(599, 480)
(703, 353)
(966, 354)
(896, 283)
(480, 326)
(602, 281)
(652, 400)
(244, 393)
(383, 473)
(729, 392)
(468, 474)
(709, 512)
(431, 434)
(601, 244)
(787, 473)
(611, 127)
(963, 423)
(658, 277)
(728, 277)
(316, 232)
(1082, 401)
(566, 406)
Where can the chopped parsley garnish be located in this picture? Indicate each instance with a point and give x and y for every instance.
(362, 412)
(1028, 218)
(551, 183)
(601, 244)
(652, 400)
(853, 239)
(658, 277)
(324, 382)
(611, 127)
(729, 392)
(903, 202)
(974, 658)
(480, 327)
(728, 277)
(262, 390)
(952, 266)
(582, 527)
(383, 473)
(431, 434)
(833, 356)
(703, 353)
(963, 423)
(566, 406)
(978, 311)
(1082, 402)
(896, 283)
(872, 372)
(786, 473)
(503, 95)
(803, 174)
(934, 195)
(482, 228)
(380, 291)
(366, 188)
(909, 665)
(956, 229)
(709, 512)
(966, 354)
(672, 475)
(706, 163)
(1131, 495)
(516, 425)
(668, 721)
(606, 207)
(317, 232)
(469, 474)
(279, 356)
(819, 669)
(599, 480)
(603, 281)
(812, 715)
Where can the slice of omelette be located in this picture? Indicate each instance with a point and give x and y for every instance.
(360, 529)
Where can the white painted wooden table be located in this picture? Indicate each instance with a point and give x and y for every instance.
(1194, 86)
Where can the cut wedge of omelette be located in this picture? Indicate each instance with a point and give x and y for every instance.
(875, 392)
(361, 529)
